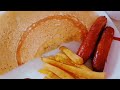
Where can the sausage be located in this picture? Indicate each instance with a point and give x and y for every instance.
(89, 43)
(116, 38)
(102, 50)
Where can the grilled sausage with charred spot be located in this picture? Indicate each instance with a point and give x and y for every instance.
(89, 43)
(102, 50)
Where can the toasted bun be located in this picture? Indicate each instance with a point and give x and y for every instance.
(49, 33)
(26, 18)
(14, 25)
(8, 39)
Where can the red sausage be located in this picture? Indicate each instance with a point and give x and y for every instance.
(102, 50)
(89, 43)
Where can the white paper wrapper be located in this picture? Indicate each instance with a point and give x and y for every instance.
(30, 69)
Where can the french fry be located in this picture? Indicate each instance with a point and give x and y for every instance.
(75, 58)
(46, 77)
(50, 75)
(76, 71)
(53, 76)
(59, 72)
(51, 57)
(60, 57)
(79, 66)
(44, 71)
(83, 67)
